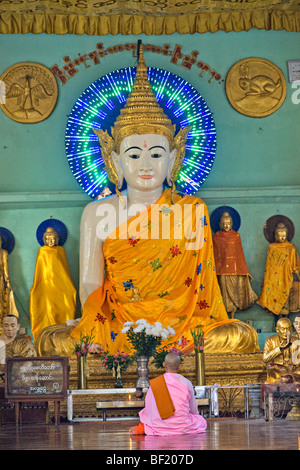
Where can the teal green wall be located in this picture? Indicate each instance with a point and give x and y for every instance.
(256, 168)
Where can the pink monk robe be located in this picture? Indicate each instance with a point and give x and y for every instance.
(186, 418)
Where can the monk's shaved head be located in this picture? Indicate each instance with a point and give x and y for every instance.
(172, 362)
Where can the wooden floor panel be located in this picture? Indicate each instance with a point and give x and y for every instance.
(221, 434)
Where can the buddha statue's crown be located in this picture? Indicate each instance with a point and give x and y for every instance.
(280, 226)
(142, 114)
(225, 215)
(50, 231)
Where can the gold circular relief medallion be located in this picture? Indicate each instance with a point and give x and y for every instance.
(255, 87)
(29, 92)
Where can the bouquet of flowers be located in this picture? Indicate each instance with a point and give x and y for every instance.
(118, 362)
(160, 354)
(198, 337)
(144, 337)
(85, 344)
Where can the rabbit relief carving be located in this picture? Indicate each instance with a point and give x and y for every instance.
(258, 85)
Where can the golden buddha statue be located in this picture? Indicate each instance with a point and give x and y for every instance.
(278, 294)
(13, 344)
(125, 247)
(7, 300)
(231, 268)
(52, 295)
(135, 295)
(280, 355)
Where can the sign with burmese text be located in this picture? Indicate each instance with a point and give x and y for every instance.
(37, 377)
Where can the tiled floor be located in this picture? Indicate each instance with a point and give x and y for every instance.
(221, 434)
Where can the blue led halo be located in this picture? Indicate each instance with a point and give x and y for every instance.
(99, 106)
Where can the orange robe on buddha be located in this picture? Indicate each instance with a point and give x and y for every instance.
(232, 271)
(282, 261)
(177, 286)
(229, 254)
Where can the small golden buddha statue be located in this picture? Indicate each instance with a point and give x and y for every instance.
(136, 295)
(52, 295)
(279, 355)
(13, 344)
(279, 294)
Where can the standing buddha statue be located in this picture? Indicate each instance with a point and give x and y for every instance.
(52, 295)
(231, 267)
(283, 262)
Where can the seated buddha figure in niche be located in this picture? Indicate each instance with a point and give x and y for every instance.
(126, 250)
(281, 353)
(280, 292)
(231, 267)
(13, 344)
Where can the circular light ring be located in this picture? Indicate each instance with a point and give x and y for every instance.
(99, 106)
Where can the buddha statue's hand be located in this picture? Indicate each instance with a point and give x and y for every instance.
(72, 322)
(95, 348)
(285, 343)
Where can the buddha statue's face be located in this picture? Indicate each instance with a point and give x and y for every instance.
(144, 161)
(226, 224)
(297, 325)
(281, 235)
(50, 240)
(283, 328)
(10, 326)
(50, 237)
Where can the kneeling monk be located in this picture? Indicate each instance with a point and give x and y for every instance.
(170, 404)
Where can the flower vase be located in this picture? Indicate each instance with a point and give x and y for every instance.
(200, 368)
(82, 372)
(142, 371)
(117, 375)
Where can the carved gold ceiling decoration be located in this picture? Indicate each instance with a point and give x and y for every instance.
(155, 17)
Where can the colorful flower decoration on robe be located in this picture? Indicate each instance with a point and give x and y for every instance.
(128, 285)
